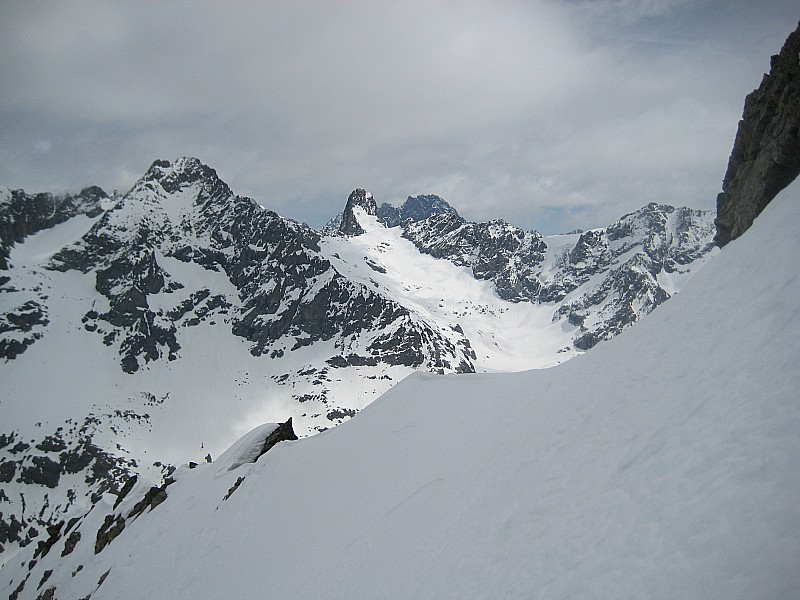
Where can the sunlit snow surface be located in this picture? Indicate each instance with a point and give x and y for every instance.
(505, 336)
(663, 464)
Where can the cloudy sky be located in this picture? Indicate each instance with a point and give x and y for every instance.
(551, 115)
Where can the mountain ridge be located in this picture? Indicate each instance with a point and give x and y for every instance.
(180, 280)
(636, 467)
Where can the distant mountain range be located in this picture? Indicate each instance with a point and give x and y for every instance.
(144, 331)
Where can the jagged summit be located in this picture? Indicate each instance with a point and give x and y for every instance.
(603, 282)
(360, 203)
(181, 173)
(416, 208)
(174, 320)
(667, 456)
(766, 152)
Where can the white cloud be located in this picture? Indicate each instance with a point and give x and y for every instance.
(43, 146)
(508, 109)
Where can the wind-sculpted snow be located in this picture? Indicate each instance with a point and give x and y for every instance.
(661, 464)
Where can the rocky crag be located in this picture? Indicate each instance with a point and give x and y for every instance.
(415, 208)
(766, 151)
(359, 200)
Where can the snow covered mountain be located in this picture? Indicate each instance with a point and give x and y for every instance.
(660, 464)
(142, 332)
(151, 330)
(602, 280)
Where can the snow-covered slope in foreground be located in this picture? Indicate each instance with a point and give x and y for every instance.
(663, 464)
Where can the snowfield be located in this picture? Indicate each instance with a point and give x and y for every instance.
(506, 336)
(663, 464)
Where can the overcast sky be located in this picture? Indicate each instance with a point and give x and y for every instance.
(551, 115)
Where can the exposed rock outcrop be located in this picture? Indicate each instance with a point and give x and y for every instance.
(766, 152)
(24, 214)
(358, 199)
(283, 432)
(48, 469)
(181, 257)
(416, 208)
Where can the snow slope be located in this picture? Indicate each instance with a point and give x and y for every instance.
(506, 336)
(662, 464)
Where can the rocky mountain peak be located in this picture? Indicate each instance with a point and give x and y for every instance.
(766, 151)
(361, 199)
(93, 194)
(416, 208)
(181, 173)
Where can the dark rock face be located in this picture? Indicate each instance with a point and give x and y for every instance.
(20, 327)
(416, 208)
(7, 471)
(286, 295)
(22, 214)
(54, 533)
(286, 289)
(637, 257)
(111, 528)
(152, 498)
(495, 250)
(43, 470)
(359, 198)
(24, 319)
(283, 432)
(114, 524)
(44, 465)
(71, 542)
(766, 151)
(389, 215)
(154, 256)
